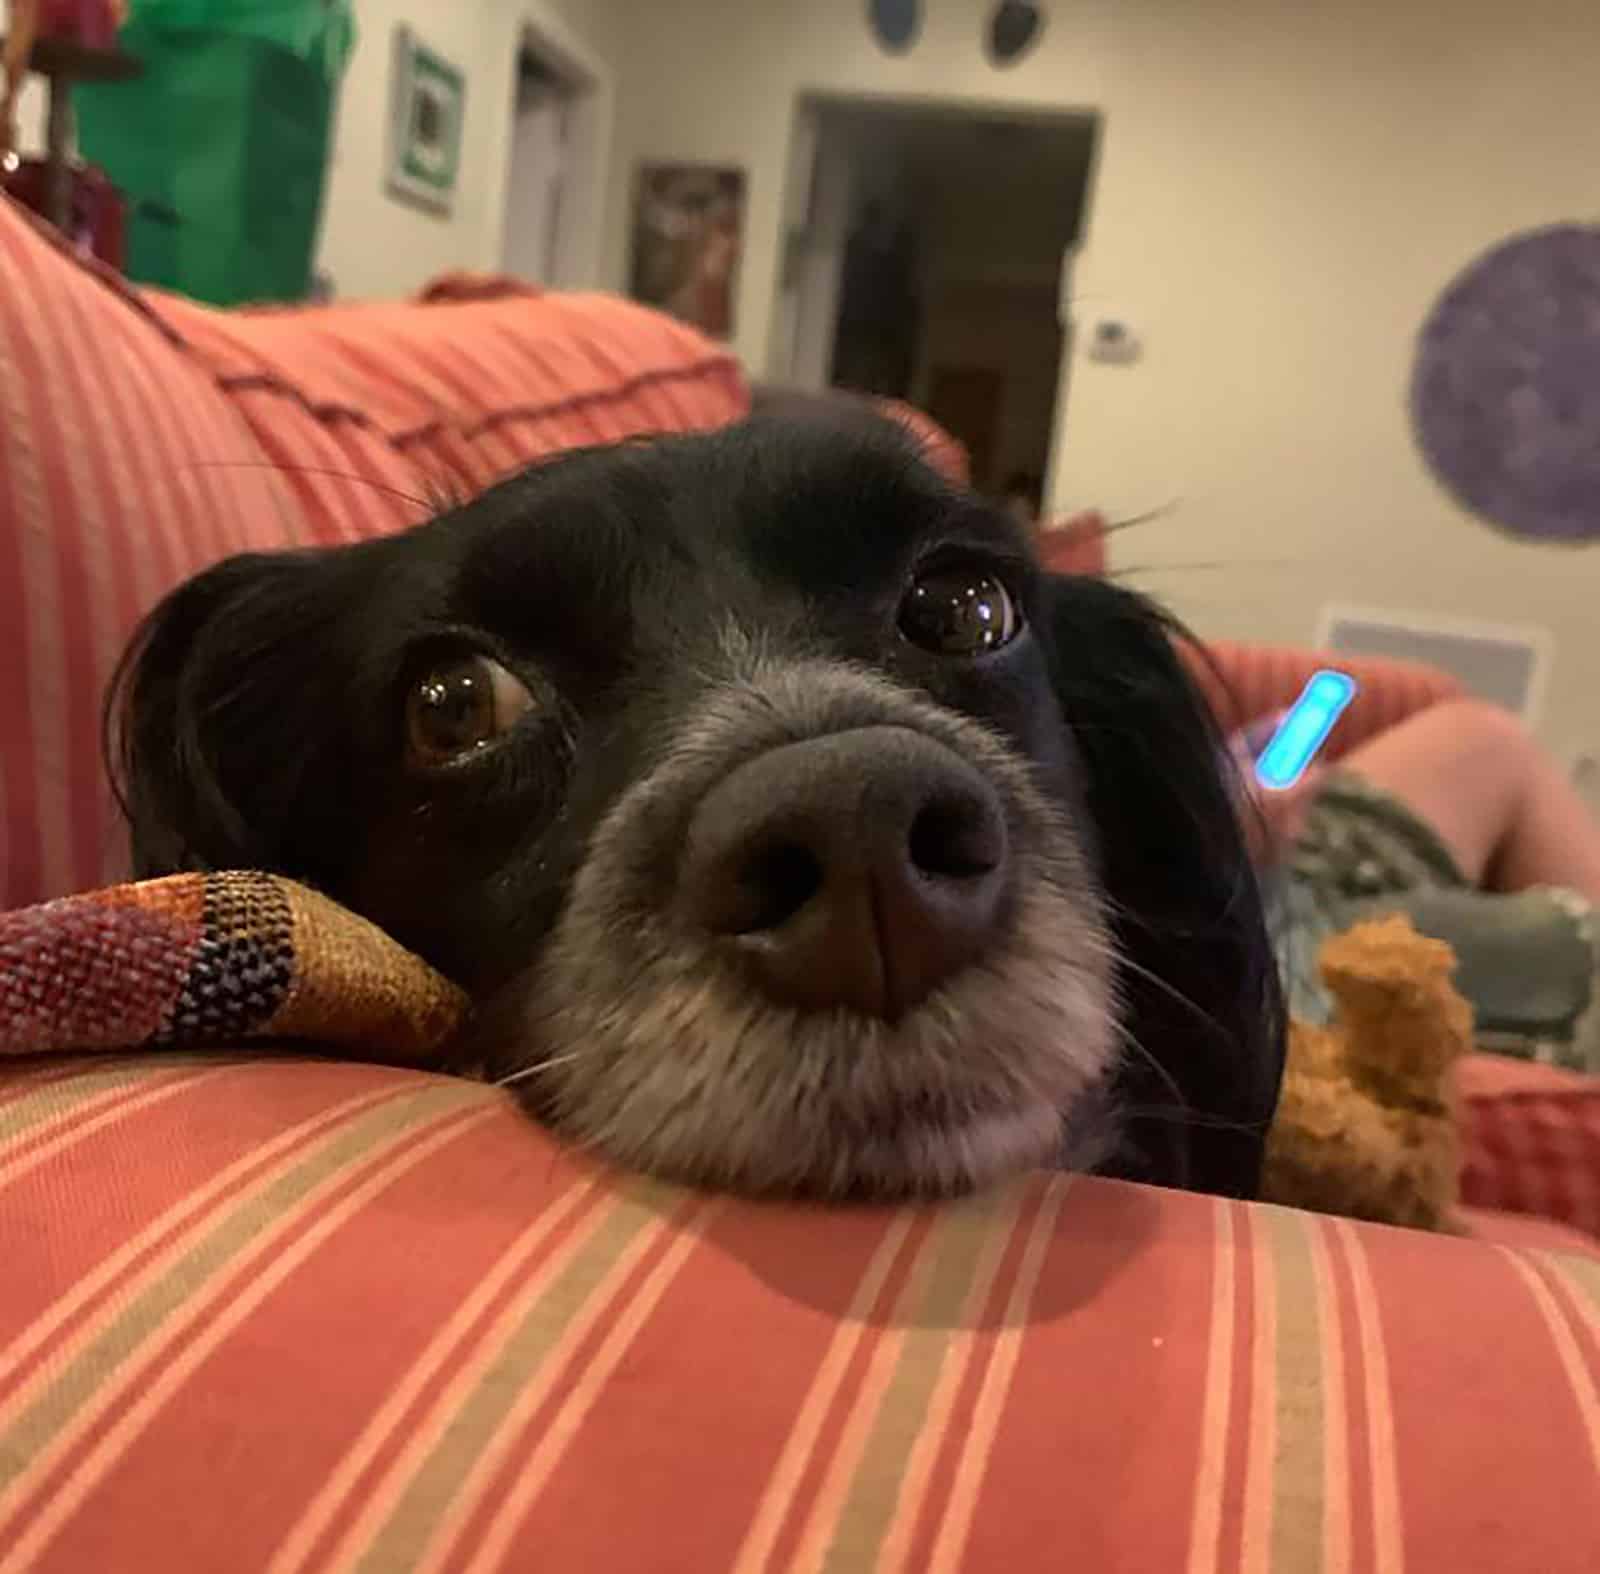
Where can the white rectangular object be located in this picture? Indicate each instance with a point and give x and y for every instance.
(1506, 664)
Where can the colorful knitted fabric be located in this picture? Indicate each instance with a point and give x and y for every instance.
(198, 960)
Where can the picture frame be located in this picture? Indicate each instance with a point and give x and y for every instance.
(427, 114)
(687, 242)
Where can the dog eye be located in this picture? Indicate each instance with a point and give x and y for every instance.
(459, 706)
(959, 609)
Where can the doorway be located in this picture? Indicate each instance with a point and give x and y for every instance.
(537, 181)
(928, 258)
(556, 159)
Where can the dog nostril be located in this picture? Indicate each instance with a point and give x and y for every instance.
(775, 883)
(955, 838)
(858, 870)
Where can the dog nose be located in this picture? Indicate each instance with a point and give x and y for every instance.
(858, 869)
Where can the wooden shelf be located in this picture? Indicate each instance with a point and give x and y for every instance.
(65, 59)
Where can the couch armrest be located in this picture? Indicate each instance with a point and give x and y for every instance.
(1244, 682)
(1530, 1140)
(455, 1340)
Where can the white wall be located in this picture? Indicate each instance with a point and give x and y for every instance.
(374, 246)
(371, 244)
(1282, 190)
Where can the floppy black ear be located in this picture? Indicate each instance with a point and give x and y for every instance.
(1203, 1003)
(212, 734)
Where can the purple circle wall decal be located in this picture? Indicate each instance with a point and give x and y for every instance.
(1505, 393)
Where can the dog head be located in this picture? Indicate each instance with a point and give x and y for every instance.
(792, 831)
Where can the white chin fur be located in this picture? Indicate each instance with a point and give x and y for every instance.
(688, 1073)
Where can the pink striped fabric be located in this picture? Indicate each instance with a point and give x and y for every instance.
(460, 390)
(366, 1319)
(1531, 1140)
(117, 479)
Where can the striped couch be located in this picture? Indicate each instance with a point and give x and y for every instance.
(299, 1314)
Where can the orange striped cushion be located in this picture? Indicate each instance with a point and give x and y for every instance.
(122, 471)
(318, 1316)
(1531, 1139)
(446, 397)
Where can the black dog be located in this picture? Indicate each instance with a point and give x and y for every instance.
(793, 833)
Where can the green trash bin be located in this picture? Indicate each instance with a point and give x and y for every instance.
(221, 147)
(319, 31)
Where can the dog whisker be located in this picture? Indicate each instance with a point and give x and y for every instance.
(1190, 1119)
(538, 1066)
(1172, 992)
(435, 500)
(1131, 1041)
(1149, 516)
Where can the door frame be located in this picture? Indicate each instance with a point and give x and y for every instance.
(577, 252)
(806, 138)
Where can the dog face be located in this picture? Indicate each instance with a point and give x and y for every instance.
(792, 832)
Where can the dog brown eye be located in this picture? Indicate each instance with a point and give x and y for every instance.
(460, 706)
(959, 610)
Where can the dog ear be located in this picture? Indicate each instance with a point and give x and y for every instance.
(209, 738)
(1202, 1001)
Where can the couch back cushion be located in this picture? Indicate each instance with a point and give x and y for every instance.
(1530, 1139)
(323, 1316)
(365, 403)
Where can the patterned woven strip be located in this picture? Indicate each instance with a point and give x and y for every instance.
(196, 959)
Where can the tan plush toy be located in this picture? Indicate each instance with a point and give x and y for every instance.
(1365, 1125)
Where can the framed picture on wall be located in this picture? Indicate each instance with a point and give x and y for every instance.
(688, 236)
(427, 109)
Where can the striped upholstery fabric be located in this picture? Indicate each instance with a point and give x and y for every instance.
(361, 1318)
(142, 438)
(122, 471)
(1531, 1140)
(460, 391)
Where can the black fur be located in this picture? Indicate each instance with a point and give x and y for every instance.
(258, 722)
